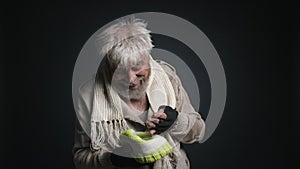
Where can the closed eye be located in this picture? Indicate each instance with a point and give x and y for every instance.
(136, 68)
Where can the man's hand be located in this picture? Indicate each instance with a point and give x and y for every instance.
(162, 120)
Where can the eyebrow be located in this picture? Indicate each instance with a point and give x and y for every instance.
(138, 63)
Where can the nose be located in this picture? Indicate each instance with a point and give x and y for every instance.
(132, 76)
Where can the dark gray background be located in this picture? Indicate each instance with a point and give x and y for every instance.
(257, 43)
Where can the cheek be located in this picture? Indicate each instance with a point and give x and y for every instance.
(119, 78)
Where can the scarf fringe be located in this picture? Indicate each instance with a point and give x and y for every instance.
(166, 164)
(106, 133)
(107, 121)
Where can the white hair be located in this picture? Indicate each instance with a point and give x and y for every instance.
(126, 41)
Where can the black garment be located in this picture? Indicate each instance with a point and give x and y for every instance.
(120, 161)
(165, 124)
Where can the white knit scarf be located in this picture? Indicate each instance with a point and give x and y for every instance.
(107, 120)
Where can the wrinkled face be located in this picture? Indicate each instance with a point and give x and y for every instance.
(131, 80)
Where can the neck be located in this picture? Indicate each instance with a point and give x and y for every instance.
(138, 105)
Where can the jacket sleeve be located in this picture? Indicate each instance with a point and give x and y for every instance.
(86, 158)
(189, 126)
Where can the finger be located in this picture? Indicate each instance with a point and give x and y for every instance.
(158, 113)
(150, 124)
(152, 132)
(154, 120)
(163, 116)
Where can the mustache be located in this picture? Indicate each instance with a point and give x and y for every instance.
(127, 84)
(137, 80)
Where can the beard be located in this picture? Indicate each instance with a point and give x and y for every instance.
(139, 92)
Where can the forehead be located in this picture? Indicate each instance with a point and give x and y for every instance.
(140, 61)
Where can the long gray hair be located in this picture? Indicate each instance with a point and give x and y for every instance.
(125, 42)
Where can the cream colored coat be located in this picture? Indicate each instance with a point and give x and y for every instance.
(188, 128)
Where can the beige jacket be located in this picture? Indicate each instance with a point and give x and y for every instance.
(188, 128)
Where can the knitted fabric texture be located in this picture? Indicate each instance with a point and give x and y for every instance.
(145, 148)
(107, 120)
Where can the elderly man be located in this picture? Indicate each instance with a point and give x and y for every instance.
(132, 92)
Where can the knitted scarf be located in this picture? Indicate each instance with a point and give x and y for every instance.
(107, 120)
